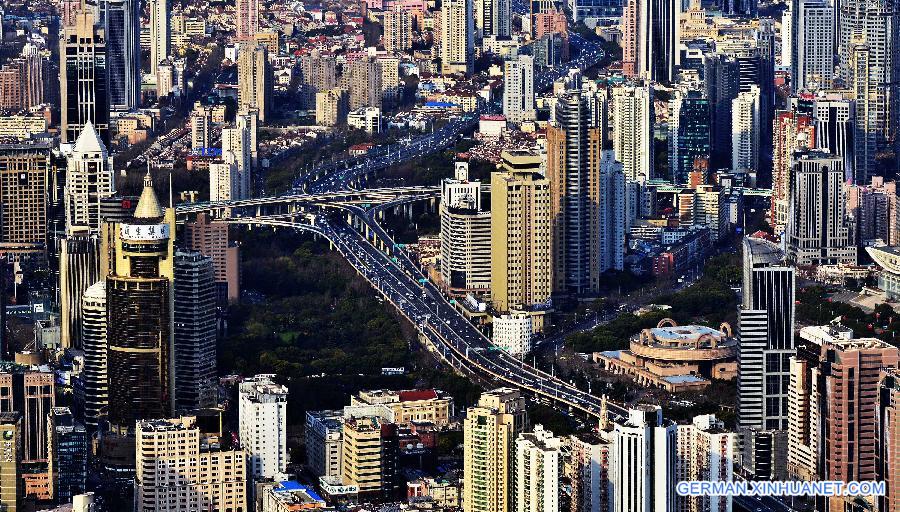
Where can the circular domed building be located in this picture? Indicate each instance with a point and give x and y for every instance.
(676, 357)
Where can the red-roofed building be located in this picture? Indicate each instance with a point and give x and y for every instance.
(410, 406)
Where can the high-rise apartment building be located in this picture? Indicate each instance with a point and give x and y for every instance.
(178, 468)
(834, 400)
(89, 178)
(11, 482)
(160, 33)
(492, 18)
(689, 135)
(705, 453)
(887, 434)
(643, 464)
(587, 198)
(538, 469)
(262, 418)
(398, 29)
(254, 80)
(211, 238)
(139, 313)
(324, 443)
(792, 132)
(94, 376)
(370, 456)
(25, 170)
(871, 114)
(873, 212)
(201, 127)
(518, 89)
(365, 83)
(818, 232)
(489, 432)
(521, 233)
(331, 107)
(239, 148)
(869, 65)
(246, 19)
(319, 73)
(67, 454)
(765, 341)
(457, 37)
(122, 27)
(589, 473)
(633, 118)
(745, 132)
(195, 332)
(465, 234)
(83, 80)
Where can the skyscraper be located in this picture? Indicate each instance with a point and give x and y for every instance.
(465, 234)
(818, 232)
(518, 89)
(24, 193)
(793, 131)
(195, 332)
(79, 268)
(397, 29)
(746, 125)
(489, 432)
(813, 48)
(139, 311)
(633, 118)
(689, 136)
(89, 178)
(871, 119)
(765, 341)
(262, 426)
(538, 469)
(95, 375)
(651, 28)
(254, 80)
(835, 119)
(492, 18)
(705, 453)
(122, 28)
(871, 28)
(179, 467)
(643, 466)
(834, 399)
(457, 37)
(11, 482)
(83, 78)
(573, 151)
(887, 436)
(67, 447)
(160, 33)
(521, 258)
(246, 19)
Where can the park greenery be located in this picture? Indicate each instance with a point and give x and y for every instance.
(309, 318)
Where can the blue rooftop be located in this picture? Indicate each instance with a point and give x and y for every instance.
(684, 379)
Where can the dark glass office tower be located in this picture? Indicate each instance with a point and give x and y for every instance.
(121, 25)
